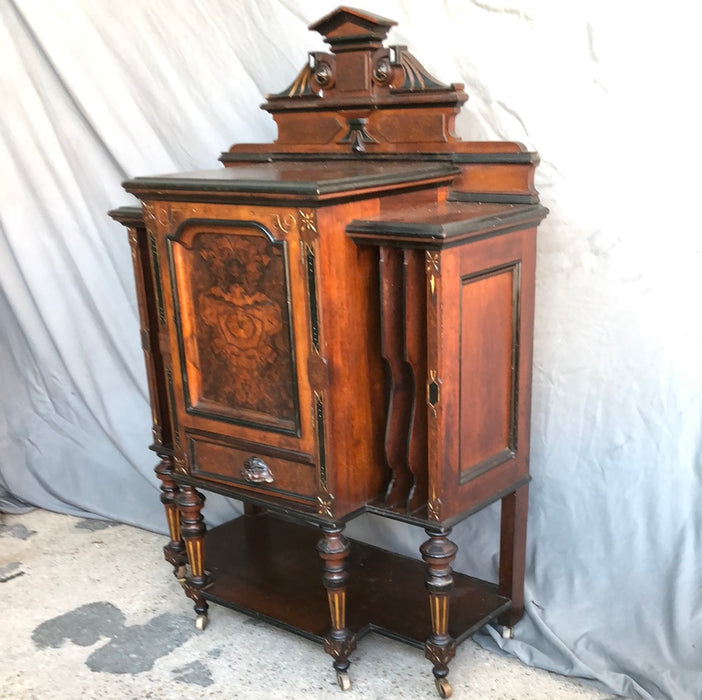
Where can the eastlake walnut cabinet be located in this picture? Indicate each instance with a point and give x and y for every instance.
(336, 323)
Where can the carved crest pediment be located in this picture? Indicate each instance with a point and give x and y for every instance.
(342, 91)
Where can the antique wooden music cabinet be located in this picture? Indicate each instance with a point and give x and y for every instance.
(336, 323)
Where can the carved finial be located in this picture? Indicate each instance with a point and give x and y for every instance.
(349, 29)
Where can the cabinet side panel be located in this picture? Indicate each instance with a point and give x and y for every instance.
(350, 310)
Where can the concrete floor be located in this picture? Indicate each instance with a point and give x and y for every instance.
(91, 610)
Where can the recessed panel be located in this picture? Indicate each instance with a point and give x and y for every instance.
(488, 355)
(234, 327)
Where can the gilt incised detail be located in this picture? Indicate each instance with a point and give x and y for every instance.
(304, 220)
(285, 223)
(307, 221)
(432, 268)
(325, 501)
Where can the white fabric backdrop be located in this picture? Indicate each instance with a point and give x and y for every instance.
(94, 92)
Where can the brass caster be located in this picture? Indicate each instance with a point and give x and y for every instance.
(201, 622)
(507, 632)
(443, 687)
(342, 678)
(181, 572)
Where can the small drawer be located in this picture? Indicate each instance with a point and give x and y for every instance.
(252, 468)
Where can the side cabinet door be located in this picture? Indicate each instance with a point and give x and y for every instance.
(485, 335)
(241, 359)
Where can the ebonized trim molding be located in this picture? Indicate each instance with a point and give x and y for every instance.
(426, 234)
(506, 158)
(149, 187)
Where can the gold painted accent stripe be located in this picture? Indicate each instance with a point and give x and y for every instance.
(439, 614)
(337, 609)
(173, 522)
(194, 549)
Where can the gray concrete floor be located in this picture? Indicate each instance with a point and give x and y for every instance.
(91, 610)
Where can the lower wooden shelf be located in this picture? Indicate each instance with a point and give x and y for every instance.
(269, 568)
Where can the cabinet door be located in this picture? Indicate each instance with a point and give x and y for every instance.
(233, 318)
(480, 343)
(240, 352)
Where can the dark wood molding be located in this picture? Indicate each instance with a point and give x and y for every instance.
(446, 223)
(305, 181)
(128, 216)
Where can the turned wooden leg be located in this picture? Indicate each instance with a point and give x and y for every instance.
(333, 548)
(174, 551)
(193, 530)
(513, 555)
(439, 552)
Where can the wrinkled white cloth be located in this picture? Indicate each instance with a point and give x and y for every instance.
(92, 93)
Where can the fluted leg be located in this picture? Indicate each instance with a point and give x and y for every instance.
(439, 552)
(333, 548)
(193, 530)
(174, 551)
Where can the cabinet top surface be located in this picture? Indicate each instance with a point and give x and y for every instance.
(428, 223)
(307, 178)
